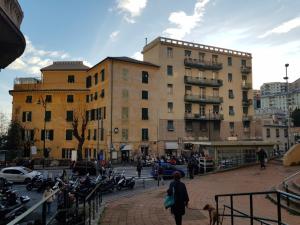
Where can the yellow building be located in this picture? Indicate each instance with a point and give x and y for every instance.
(181, 92)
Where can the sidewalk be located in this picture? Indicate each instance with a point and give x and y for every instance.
(147, 208)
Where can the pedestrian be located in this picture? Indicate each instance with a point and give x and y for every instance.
(139, 168)
(262, 157)
(64, 176)
(181, 198)
(160, 173)
(190, 168)
(48, 192)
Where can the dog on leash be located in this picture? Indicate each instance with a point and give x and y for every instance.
(213, 215)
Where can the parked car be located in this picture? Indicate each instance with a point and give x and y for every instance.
(18, 174)
(84, 167)
(167, 169)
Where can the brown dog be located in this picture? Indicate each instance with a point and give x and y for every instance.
(213, 215)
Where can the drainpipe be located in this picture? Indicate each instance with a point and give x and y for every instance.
(111, 109)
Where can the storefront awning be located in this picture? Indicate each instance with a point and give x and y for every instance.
(171, 145)
(126, 148)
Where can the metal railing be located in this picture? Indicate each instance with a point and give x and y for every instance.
(198, 63)
(204, 99)
(203, 81)
(286, 185)
(251, 216)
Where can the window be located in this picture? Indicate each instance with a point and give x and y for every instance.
(48, 98)
(70, 98)
(230, 94)
(102, 75)
(95, 135)
(243, 62)
(145, 77)
(202, 110)
(214, 59)
(87, 115)
(101, 134)
(145, 95)
(49, 135)
(124, 134)
(188, 72)
(188, 90)
(102, 93)
(203, 126)
(71, 79)
(91, 97)
(66, 153)
(188, 126)
(145, 114)
(170, 89)
(170, 70)
(125, 93)
(201, 56)
(69, 116)
(216, 109)
(87, 99)
(96, 95)
(125, 74)
(170, 125)
(125, 113)
(104, 112)
(201, 74)
(89, 134)
(231, 126)
(69, 134)
(187, 53)
(229, 77)
(170, 107)
(169, 52)
(145, 136)
(277, 133)
(202, 93)
(215, 75)
(48, 116)
(231, 111)
(188, 107)
(88, 81)
(216, 92)
(26, 116)
(28, 99)
(96, 78)
(27, 135)
(229, 61)
(93, 114)
(268, 133)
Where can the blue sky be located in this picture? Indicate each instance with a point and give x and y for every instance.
(93, 29)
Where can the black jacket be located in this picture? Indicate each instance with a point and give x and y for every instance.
(181, 197)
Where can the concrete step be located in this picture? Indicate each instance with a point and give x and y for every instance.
(290, 208)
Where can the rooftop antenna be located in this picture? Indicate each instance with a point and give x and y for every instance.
(146, 41)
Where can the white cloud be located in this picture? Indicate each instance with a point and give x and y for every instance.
(131, 8)
(184, 23)
(33, 59)
(283, 28)
(137, 56)
(114, 35)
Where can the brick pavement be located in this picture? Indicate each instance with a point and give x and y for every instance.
(147, 208)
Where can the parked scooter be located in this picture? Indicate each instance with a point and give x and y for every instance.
(40, 183)
(125, 182)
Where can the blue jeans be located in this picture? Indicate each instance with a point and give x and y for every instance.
(49, 207)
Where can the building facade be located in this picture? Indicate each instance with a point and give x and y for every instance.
(181, 92)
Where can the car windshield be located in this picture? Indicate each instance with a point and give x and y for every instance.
(27, 170)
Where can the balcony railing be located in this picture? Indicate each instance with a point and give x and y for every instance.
(27, 87)
(246, 102)
(201, 64)
(203, 99)
(246, 85)
(203, 81)
(246, 69)
(207, 117)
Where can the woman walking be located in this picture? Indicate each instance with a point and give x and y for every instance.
(178, 190)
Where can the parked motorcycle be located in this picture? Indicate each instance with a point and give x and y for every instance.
(126, 183)
(40, 183)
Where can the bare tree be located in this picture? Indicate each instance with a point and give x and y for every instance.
(79, 127)
(4, 123)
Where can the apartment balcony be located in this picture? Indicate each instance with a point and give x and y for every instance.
(246, 102)
(246, 85)
(205, 117)
(246, 69)
(203, 81)
(201, 64)
(203, 99)
(247, 118)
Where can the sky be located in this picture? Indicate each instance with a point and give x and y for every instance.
(91, 30)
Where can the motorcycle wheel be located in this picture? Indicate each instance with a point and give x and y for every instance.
(29, 187)
(119, 188)
(131, 186)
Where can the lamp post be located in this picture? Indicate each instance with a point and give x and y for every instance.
(43, 103)
(287, 105)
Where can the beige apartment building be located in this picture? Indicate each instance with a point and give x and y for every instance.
(181, 93)
(205, 90)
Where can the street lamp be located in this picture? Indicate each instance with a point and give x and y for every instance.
(287, 105)
(43, 103)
